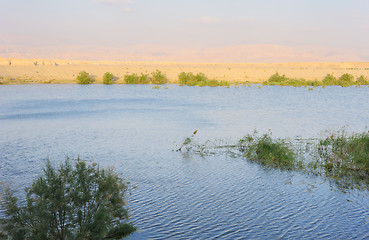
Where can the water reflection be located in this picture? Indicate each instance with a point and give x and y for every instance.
(136, 128)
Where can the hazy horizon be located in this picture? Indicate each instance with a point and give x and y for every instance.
(188, 31)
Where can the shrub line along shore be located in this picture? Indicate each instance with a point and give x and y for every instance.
(38, 71)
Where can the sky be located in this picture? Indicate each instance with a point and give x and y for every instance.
(186, 30)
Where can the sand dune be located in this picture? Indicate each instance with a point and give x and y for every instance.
(15, 71)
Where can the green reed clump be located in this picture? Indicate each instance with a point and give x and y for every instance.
(108, 78)
(345, 80)
(134, 78)
(190, 79)
(345, 156)
(143, 79)
(199, 79)
(157, 77)
(84, 78)
(131, 78)
(362, 80)
(282, 80)
(268, 151)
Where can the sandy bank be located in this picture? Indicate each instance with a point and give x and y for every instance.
(19, 71)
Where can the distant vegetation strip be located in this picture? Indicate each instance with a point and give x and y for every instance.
(340, 156)
(201, 79)
(345, 80)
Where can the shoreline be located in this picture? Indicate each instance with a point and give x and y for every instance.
(40, 71)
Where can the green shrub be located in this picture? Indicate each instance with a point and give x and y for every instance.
(346, 80)
(108, 78)
(135, 79)
(362, 81)
(80, 202)
(131, 78)
(200, 79)
(143, 79)
(84, 78)
(186, 78)
(282, 80)
(157, 77)
(276, 79)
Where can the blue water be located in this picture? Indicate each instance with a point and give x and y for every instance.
(181, 195)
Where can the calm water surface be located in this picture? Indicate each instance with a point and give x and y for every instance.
(180, 195)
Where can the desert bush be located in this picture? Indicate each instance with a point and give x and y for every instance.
(144, 79)
(70, 202)
(276, 79)
(108, 78)
(134, 78)
(84, 78)
(362, 80)
(346, 80)
(200, 79)
(157, 77)
(187, 79)
(282, 80)
(131, 78)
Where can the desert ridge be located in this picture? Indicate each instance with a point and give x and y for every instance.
(23, 71)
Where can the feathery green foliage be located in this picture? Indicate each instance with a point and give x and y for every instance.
(84, 78)
(134, 78)
(329, 80)
(200, 79)
(362, 80)
(157, 77)
(108, 78)
(80, 202)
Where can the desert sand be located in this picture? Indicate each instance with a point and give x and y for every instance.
(24, 71)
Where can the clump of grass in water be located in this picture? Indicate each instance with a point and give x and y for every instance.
(268, 151)
(341, 157)
(345, 157)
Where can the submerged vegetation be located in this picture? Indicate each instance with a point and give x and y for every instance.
(74, 201)
(345, 80)
(340, 156)
(200, 79)
(346, 157)
(268, 151)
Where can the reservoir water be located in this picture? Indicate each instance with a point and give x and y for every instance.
(180, 195)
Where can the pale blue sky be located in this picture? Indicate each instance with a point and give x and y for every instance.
(329, 24)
